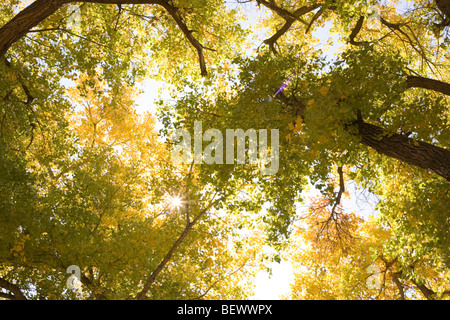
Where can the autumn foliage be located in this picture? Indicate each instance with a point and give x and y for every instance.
(87, 179)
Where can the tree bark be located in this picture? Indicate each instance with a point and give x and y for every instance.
(426, 83)
(16, 293)
(400, 147)
(417, 153)
(444, 6)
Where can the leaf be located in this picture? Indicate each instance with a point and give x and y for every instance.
(324, 90)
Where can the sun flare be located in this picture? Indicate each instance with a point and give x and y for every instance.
(175, 202)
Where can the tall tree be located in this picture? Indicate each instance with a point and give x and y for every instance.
(84, 178)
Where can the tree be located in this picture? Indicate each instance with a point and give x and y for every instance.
(377, 114)
(85, 181)
(347, 257)
(364, 113)
(109, 205)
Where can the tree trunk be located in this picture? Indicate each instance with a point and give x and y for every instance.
(430, 84)
(25, 20)
(400, 147)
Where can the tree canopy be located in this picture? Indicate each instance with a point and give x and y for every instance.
(87, 182)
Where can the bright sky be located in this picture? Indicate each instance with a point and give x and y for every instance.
(272, 287)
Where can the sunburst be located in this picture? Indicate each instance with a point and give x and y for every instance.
(175, 202)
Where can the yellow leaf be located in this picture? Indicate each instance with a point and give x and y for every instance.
(324, 90)
(288, 137)
(310, 102)
(298, 126)
(291, 126)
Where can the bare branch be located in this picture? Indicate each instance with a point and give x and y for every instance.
(173, 11)
(341, 190)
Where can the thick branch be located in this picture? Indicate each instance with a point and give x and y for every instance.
(285, 14)
(15, 292)
(173, 11)
(273, 39)
(355, 31)
(427, 292)
(38, 11)
(314, 18)
(430, 84)
(400, 147)
(395, 277)
(289, 17)
(417, 153)
(444, 6)
(25, 20)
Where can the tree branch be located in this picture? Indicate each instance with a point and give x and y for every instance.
(334, 214)
(355, 31)
(417, 153)
(15, 292)
(427, 292)
(289, 17)
(426, 83)
(444, 6)
(39, 10)
(220, 279)
(314, 18)
(286, 15)
(173, 11)
(341, 190)
(395, 277)
(407, 150)
(172, 250)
